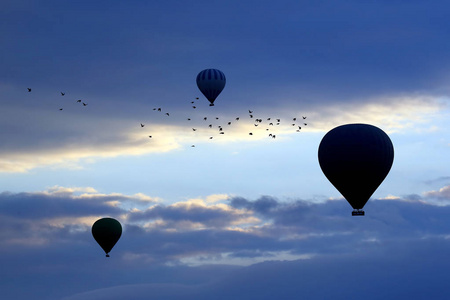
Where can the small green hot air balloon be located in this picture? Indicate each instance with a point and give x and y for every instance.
(106, 232)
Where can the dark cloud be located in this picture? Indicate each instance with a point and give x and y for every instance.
(397, 270)
(397, 238)
(209, 216)
(43, 205)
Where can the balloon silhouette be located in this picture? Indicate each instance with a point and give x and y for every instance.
(211, 83)
(107, 232)
(356, 158)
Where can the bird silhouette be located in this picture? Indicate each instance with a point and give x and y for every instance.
(167, 114)
(142, 125)
(60, 109)
(84, 104)
(150, 136)
(79, 101)
(303, 117)
(62, 94)
(250, 111)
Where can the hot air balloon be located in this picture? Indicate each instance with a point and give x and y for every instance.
(106, 232)
(356, 158)
(211, 83)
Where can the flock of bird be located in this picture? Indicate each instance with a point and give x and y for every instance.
(211, 123)
(63, 94)
(218, 126)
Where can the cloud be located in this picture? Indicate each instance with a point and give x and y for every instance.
(297, 238)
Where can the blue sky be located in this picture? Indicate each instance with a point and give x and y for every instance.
(237, 216)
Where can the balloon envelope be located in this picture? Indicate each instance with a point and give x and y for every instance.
(211, 83)
(356, 158)
(106, 232)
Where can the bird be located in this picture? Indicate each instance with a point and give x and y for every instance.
(210, 125)
(142, 125)
(294, 119)
(167, 114)
(62, 94)
(196, 98)
(210, 137)
(194, 129)
(278, 120)
(150, 136)
(205, 118)
(250, 133)
(305, 124)
(60, 109)
(192, 102)
(194, 107)
(84, 104)
(159, 108)
(237, 119)
(222, 132)
(250, 111)
(217, 118)
(79, 101)
(229, 123)
(251, 116)
(303, 117)
(29, 90)
(189, 119)
(193, 146)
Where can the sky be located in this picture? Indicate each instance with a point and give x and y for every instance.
(220, 216)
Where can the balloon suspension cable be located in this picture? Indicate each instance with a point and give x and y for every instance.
(357, 212)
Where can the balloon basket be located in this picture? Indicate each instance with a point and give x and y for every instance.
(358, 213)
(212, 104)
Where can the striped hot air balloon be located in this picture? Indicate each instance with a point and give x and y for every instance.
(211, 83)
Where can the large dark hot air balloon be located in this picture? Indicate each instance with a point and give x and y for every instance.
(356, 158)
(211, 83)
(106, 232)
